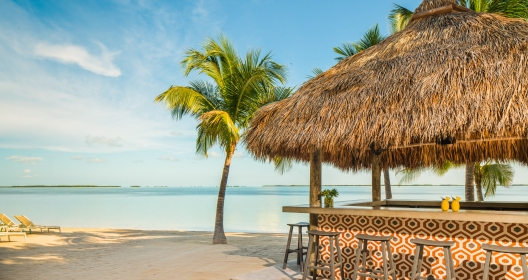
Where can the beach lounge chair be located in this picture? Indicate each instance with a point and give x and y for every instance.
(8, 234)
(8, 224)
(27, 224)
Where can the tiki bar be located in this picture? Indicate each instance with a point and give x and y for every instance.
(452, 86)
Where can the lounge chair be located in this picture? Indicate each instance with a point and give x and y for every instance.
(29, 225)
(8, 234)
(7, 224)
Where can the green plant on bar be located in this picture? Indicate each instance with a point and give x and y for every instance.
(329, 197)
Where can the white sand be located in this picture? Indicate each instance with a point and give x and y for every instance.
(138, 254)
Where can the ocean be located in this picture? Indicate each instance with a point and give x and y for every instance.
(247, 209)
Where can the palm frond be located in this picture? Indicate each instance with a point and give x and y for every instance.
(409, 175)
(282, 165)
(371, 38)
(344, 51)
(494, 175)
(316, 72)
(216, 127)
(444, 168)
(399, 18)
(507, 8)
(187, 100)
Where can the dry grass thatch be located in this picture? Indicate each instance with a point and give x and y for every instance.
(460, 74)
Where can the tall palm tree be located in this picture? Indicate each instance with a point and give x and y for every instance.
(400, 16)
(225, 106)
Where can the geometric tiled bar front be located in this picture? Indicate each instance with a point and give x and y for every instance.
(467, 255)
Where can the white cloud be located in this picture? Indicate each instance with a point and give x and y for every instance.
(77, 157)
(71, 54)
(101, 140)
(25, 160)
(168, 158)
(213, 154)
(176, 133)
(27, 174)
(96, 160)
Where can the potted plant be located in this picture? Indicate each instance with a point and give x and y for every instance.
(329, 197)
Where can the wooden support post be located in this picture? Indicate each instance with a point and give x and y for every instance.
(376, 176)
(315, 185)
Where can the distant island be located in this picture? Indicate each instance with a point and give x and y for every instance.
(61, 186)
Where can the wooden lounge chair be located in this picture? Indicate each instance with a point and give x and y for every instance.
(8, 234)
(29, 225)
(7, 224)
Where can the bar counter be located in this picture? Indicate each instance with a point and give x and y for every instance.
(499, 223)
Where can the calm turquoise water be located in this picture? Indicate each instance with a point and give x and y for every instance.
(247, 209)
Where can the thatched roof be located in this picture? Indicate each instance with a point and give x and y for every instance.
(457, 75)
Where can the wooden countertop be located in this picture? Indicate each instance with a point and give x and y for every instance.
(425, 210)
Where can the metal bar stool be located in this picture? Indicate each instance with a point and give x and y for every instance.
(316, 264)
(361, 258)
(300, 248)
(503, 249)
(418, 258)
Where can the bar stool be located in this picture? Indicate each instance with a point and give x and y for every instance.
(300, 248)
(334, 241)
(418, 258)
(503, 249)
(361, 258)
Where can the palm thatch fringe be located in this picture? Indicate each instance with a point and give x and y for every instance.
(456, 75)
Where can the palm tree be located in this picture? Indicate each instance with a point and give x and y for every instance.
(370, 38)
(489, 176)
(399, 17)
(225, 106)
(486, 176)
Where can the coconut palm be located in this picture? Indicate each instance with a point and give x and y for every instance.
(400, 16)
(225, 106)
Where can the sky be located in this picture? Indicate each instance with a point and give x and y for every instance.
(78, 81)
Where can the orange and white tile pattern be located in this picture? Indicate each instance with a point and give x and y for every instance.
(467, 255)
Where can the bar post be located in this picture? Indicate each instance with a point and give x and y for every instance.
(376, 175)
(315, 185)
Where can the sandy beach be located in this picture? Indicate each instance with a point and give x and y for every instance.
(139, 254)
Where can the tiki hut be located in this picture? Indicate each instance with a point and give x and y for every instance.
(451, 86)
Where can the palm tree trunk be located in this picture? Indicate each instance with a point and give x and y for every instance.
(470, 181)
(386, 179)
(478, 184)
(219, 235)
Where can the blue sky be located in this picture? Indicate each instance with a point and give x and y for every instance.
(78, 79)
